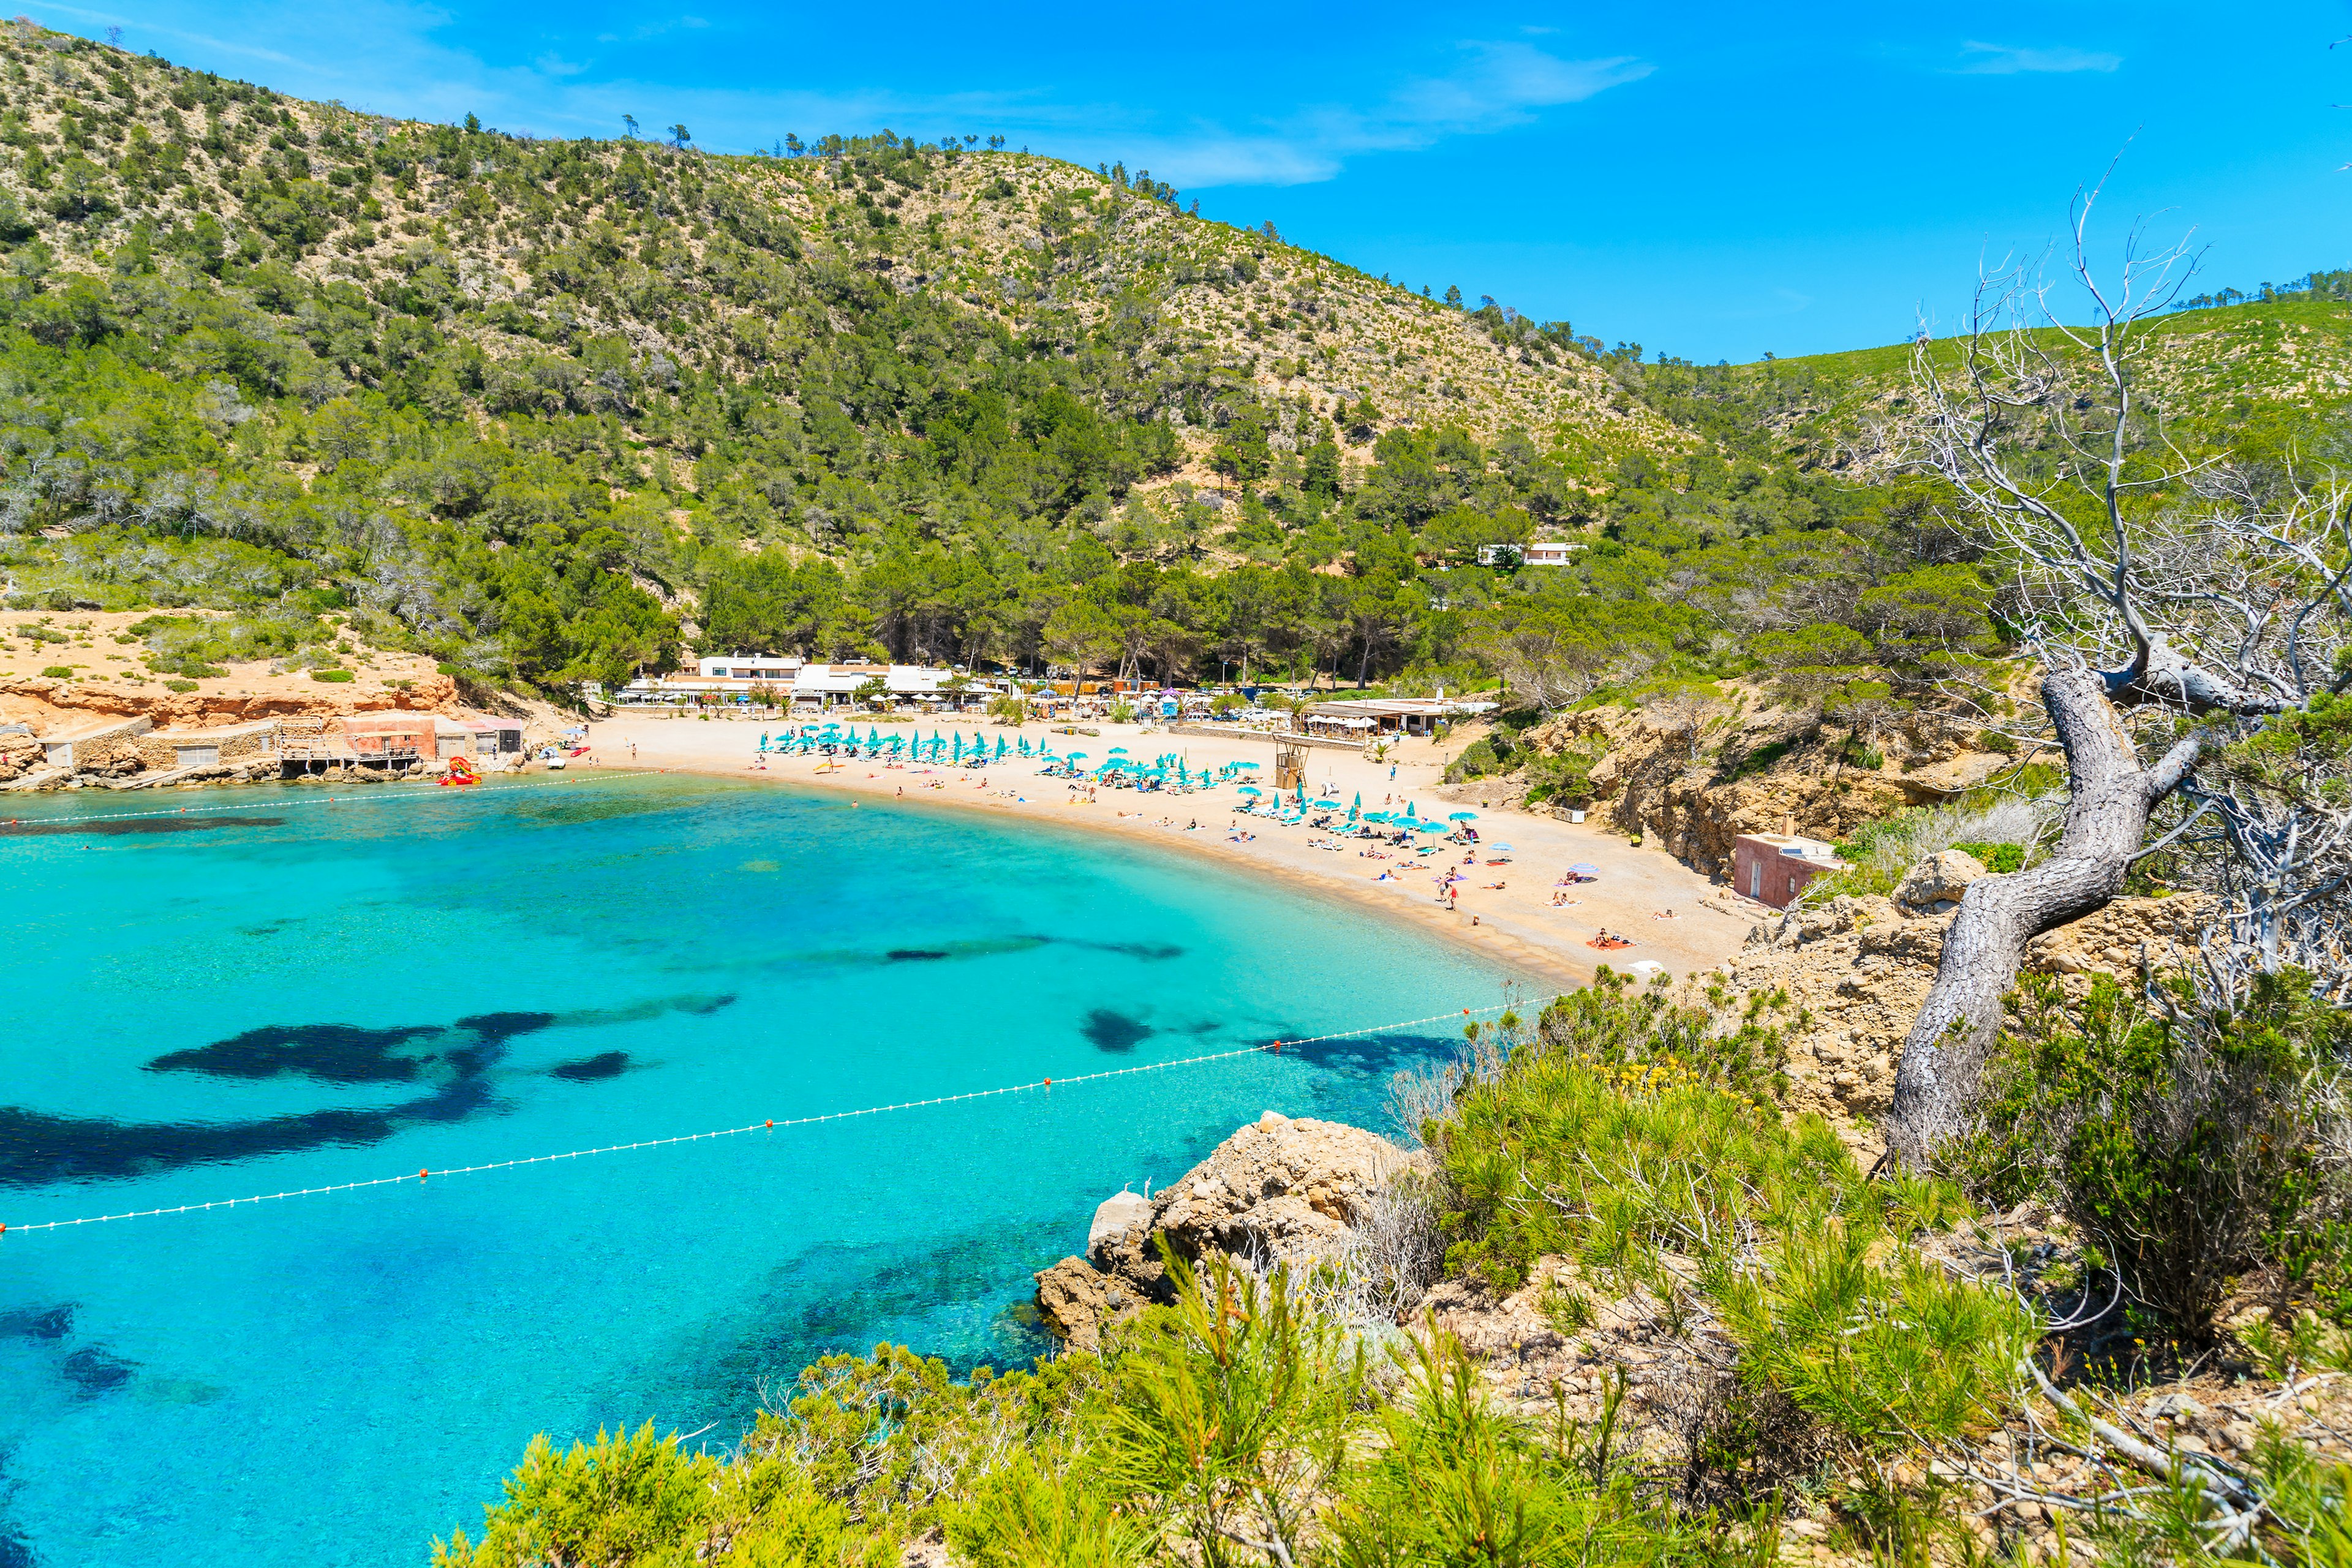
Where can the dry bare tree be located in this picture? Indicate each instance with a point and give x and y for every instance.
(2190, 620)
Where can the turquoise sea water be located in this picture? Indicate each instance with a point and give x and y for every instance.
(272, 992)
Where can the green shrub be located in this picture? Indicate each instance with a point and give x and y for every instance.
(1631, 1134)
(1563, 776)
(1995, 740)
(1745, 764)
(59, 672)
(2183, 1140)
(180, 685)
(2002, 857)
(1477, 760)
(331, 675)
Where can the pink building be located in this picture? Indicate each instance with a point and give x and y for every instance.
(1773, 867)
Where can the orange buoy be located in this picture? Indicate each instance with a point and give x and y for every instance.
(1049, 1083)
(771, 1121)
(420, 1175)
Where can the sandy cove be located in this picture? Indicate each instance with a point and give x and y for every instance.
(1514, 926)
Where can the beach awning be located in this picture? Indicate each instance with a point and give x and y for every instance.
(1582, 869)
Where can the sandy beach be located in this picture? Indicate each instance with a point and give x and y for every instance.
(1516, 923)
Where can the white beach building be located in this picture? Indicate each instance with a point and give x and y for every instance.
(752, 677)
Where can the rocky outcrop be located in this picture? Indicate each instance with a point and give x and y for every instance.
(46, 703)
(1280, 1189)
(1935, 885)
(1855, 970)
(1691, 780)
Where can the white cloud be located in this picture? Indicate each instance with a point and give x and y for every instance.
(1999, 59)
(1498, 87)
(402, 57)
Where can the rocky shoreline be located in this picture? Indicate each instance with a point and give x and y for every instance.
(1281, 1190)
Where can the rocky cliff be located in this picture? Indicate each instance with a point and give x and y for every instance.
(1690, 777)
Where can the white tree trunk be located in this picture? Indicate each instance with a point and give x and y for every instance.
(2106, 824)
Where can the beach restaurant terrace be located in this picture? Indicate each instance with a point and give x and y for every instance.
(745, 678)
(1365, 717)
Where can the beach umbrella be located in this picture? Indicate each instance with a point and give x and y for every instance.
(1502, 848)
(1245, 764)
(1425, 826)
(1582, 869)
(1001, 748)
(1462, 816)
(1356, 808)
(957, 746)
(1408, 808)
(1251, 790)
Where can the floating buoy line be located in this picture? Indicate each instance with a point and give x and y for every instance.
(767, 1124)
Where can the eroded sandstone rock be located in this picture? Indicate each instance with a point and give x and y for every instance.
(1937, 883)
(1279, 1190)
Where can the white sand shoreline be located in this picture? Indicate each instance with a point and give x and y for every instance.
(1514, 926)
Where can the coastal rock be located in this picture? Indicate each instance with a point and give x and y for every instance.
(1078, 1302)
(1121, 1224)
(1937, 883)
(1763, 770)
(1279, 1188)
(1278, 1191)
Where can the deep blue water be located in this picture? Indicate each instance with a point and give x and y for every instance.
(287, 994)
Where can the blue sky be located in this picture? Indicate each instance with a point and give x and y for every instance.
(1717, 181)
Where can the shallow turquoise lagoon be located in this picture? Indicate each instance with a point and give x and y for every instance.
(272, 992)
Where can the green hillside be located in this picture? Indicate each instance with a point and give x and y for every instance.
(2258, 377)
(553, 412)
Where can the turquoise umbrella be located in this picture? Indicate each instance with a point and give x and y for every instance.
(1462, 816)
(1001, 748)
(957, 747)
(1408, 808)
(1425, 826)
